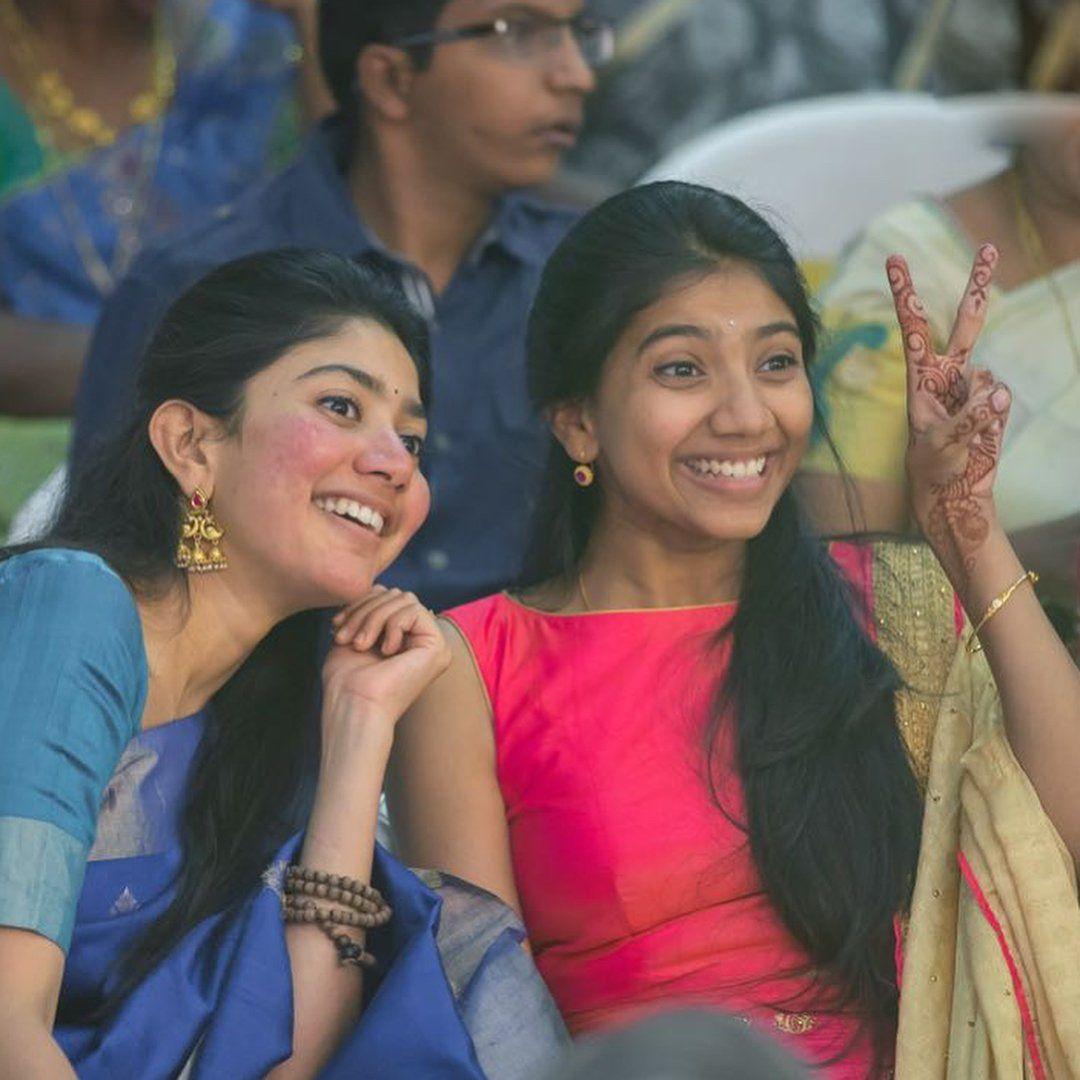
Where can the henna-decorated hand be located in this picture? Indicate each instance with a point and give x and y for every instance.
(956, 419)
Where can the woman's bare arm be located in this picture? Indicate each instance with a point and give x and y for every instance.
(31, 969)
(445, 804)
(957, 416)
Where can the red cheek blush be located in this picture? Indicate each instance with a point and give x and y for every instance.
(299, 445)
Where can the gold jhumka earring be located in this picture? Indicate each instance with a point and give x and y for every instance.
(199, 549)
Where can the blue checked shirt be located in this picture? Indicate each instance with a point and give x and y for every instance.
(485, 446)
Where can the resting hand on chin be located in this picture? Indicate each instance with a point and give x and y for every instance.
(387, 649)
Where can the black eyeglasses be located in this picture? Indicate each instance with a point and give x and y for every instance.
(530, 39)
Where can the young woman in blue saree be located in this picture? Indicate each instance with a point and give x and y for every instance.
(186, 856)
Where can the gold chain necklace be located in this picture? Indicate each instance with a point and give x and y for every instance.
(52, 101)
(1036, 253)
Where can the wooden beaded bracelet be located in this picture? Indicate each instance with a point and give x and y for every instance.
(362, 920)
(356, 894)
(349, 950)
(379, 909)
(338, 881)
(368, 909)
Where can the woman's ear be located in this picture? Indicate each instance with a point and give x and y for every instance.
(572, 424)
(184, 438)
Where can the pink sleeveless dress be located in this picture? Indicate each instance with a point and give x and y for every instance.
(638, 893)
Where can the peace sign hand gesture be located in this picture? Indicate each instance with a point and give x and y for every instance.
(956, 418)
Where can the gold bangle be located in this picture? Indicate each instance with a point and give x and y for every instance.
(973, 644)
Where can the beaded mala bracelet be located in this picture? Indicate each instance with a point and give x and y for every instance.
(363, 920)
(369, 910)
(295, 873)
(376, 909)
(349, 950)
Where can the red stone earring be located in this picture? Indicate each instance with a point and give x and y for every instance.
(583, 474)
(199, 547)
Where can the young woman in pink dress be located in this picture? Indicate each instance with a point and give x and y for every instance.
(675, 747)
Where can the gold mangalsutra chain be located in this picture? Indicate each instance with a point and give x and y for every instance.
(1036, 252)
(53, 102)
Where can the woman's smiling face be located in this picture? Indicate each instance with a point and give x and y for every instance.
(321, 488)
(703, 411)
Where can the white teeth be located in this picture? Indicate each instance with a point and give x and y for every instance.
(736, 469)
(350, 508)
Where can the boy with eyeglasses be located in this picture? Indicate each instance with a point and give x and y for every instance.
(448, 108)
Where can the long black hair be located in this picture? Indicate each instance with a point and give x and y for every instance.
(256, 761)
(832, 806)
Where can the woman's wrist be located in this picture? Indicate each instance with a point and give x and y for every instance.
(353, 738)
(962, 538)
(344, 816)
(992, 567)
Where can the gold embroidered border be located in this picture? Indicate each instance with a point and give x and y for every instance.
(913, 609)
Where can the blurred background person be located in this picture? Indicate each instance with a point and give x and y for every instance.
(448, 110)
(1031, 212)
(684, 1045)
(119, 120)
(684, 66)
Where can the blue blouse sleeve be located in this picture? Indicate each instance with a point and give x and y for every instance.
(72, 687)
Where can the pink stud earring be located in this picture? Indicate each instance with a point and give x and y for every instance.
(583, 474)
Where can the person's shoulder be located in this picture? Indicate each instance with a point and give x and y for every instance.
(78, 618)
(70, 566)
(78, 587)
(917, 225)
(252, 223)
(233, 45)
(476, 612)
(919, 229)
(545, 221)
(225, 233)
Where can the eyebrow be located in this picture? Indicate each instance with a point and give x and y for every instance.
(673, 330)
(369, 382)
(691, 330)
(783, 326)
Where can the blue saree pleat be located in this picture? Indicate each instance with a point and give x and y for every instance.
(221, 1002)
(226, 989)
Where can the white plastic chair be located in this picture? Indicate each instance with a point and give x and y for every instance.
(822, 169)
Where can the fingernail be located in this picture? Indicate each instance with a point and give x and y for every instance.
(1000, 398)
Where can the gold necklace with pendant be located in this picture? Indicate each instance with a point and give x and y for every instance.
(52, 102)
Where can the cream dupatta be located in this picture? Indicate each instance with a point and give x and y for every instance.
(990, 956)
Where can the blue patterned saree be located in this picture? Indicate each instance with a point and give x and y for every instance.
(90, 810)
